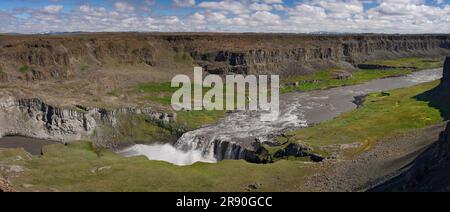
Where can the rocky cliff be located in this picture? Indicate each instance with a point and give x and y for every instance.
(445, 82)
(61, 57)
(430, 171)
(34, 118)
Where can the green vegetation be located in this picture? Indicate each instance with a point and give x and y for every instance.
(157, 92)
(184, 58)
(81, 167)
(84, 67)
(24, 69)
(196, 119)
(418, 63)
(134, 129)
(381, 116)
(77, 167)
(325, 79)
(161, 93)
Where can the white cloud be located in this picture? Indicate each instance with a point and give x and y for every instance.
(184, 3)
(53, 8)
(233, 6)
(123, 7)
(260, 7)
(390, 16)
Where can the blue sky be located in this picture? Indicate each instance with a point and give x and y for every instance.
(296, 16)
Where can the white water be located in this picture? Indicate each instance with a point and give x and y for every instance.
(166, 152)
(297, 110)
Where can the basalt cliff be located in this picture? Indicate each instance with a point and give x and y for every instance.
(430, 171)
(37, 119)
(64, 56)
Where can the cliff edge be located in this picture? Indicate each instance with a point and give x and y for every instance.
(444, 87)
(430, 171)
(40, 57)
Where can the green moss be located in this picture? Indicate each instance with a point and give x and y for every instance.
(24, 69)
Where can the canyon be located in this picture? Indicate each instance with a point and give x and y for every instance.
(65, 56)
(62, 88)
(56, 86)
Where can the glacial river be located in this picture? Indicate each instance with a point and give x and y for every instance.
(298, 110)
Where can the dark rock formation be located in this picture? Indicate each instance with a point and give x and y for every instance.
(382, 67)
(299, 151)
(256, 153)
(445, 82)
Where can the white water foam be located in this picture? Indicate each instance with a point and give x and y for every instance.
(166, 152)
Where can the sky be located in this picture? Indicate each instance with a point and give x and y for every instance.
(287, 16)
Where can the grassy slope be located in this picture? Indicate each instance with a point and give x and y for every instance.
(325, 79)
(419, 63)
(380, 117)
(73, 168)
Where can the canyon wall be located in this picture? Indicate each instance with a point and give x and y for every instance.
(445, 81)
(34, 118)
(38, 57)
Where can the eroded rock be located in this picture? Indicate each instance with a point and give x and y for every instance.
(37, 119)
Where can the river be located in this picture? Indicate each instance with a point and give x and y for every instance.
(298, 110)
(31, 145)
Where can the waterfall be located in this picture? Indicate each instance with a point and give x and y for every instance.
(235, 136)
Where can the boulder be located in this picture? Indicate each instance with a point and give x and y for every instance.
(342, 75)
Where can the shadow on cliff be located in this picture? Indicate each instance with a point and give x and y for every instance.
(438, 98)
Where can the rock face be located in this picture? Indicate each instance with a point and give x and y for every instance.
(445, 82)
(36, 119)
(4, 186)
(61, 57)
